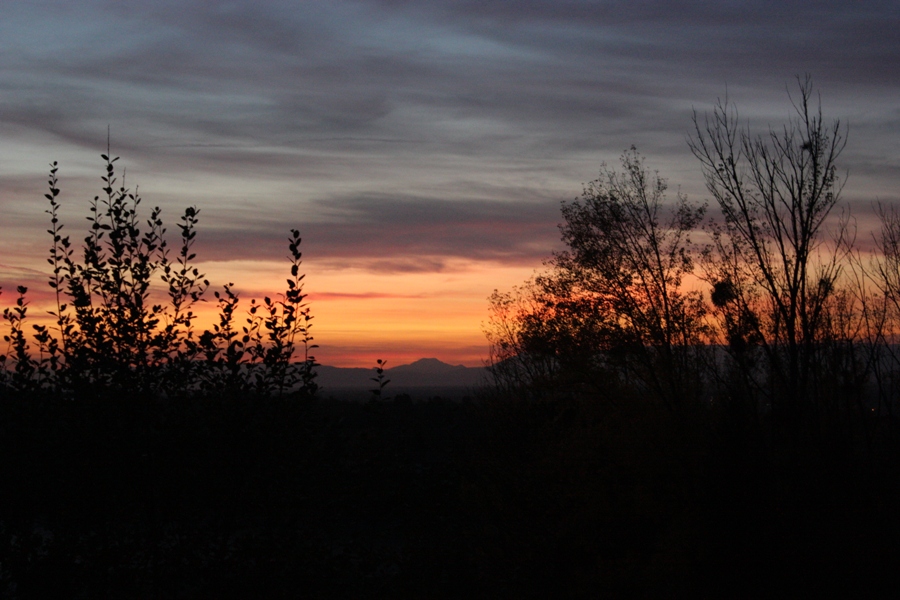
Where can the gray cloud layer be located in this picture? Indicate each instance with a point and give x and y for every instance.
(377, 113)
(391, 233)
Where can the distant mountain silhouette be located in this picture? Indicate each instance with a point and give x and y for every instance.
(423, 373)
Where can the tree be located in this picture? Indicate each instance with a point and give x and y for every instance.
(773, 274)
(544, 342)
(615, 300)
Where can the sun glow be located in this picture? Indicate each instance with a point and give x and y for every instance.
(360, 315)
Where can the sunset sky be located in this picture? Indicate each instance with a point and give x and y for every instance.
(421, 148)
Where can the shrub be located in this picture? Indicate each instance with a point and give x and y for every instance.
(110, 335)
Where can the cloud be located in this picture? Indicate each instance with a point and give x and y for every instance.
(313, 296)
(406, 137)
(403, 234)
(361, 117)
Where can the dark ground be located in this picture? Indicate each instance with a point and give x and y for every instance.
(274, 498)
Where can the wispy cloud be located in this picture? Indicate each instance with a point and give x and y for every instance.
(395, 233)
(360, 296)
(401, 136)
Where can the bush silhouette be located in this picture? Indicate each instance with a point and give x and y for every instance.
(113, 332)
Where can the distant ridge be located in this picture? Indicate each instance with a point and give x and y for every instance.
(425, 372)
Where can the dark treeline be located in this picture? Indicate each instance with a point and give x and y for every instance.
(768, 307)
(686, 401)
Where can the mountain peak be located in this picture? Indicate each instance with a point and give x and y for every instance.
(425, 372)
(428, 362)
(426, 365)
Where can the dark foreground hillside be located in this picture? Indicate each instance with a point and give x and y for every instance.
(188, 499)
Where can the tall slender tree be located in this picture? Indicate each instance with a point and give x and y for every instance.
(772, 270)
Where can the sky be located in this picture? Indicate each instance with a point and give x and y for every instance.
(421, 148)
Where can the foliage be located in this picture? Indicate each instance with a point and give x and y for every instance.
(779, 316)
(613, 302)
(111, 335)
(543, 343)
(380, 380)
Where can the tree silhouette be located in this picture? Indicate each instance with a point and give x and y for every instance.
(615, 300)
(773, 275)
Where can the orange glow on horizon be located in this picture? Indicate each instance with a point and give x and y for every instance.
(359, 315)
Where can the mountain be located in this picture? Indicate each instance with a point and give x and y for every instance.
(423, 373)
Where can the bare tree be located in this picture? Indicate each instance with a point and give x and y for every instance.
(884, 271)
(772, 271)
